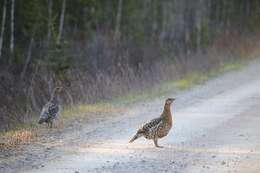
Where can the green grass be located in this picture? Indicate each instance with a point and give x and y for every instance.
(223, 68)
(101, 107)
(229, 67)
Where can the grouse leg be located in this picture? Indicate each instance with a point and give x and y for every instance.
(155, 140)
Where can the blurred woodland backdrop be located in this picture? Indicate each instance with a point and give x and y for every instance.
(99, 49)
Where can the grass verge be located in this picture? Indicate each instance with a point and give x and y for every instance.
(187, 81)
(26, 133)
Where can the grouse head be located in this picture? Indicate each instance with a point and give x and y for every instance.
(169, 101)
(56, 91)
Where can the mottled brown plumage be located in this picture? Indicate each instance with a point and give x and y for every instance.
(158, 127)
(51, 110)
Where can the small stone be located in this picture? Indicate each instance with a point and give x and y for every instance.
(213, 156)
(76, 171)
(223, 163)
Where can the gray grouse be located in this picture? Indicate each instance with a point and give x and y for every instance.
(51, 110)
(158, 127)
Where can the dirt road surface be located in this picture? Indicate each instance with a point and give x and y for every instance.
(216, 129)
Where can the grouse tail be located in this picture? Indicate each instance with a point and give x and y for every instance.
(41, 120)
(136, 136)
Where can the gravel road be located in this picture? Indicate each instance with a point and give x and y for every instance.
(216, 129)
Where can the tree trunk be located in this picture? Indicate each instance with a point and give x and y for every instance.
(28, 59)
(118, 20)
(2, 27)
(12, 27)
(61, 22)
(198, 25)
(155, 22)
(49, 21)
(247, 8)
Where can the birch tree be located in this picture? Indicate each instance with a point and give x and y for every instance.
(12, 27)
(198, 25)
(28, 58)
(2, 27)
(155, 17)
(118, 19)
(49, 21)
(61, 22)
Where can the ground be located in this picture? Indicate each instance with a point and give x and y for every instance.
(216, 129)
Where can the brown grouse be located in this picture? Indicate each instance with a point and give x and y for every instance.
(51, 110)
(158, 127)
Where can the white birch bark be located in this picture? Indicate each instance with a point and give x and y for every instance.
(198, 25)
(12, 27)
(2, 27)
(28, 59)
(61, 22)
(49, 20)
(118, 19)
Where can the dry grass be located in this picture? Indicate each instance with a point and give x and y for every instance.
(29, 133)
(183, 83)
(13, 138)
(26, 134)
